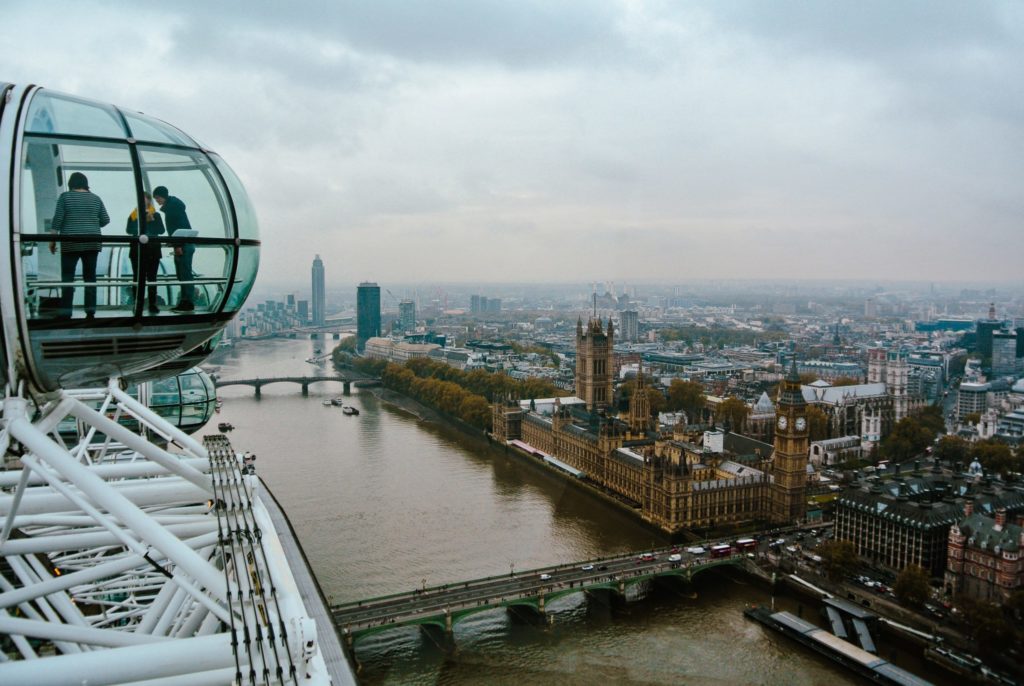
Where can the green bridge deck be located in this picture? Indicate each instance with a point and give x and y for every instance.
(444, 606)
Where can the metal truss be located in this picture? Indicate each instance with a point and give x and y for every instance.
(131, 553)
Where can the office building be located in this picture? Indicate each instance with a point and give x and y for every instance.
(367, 313)
(986, 327)
(630, 326)
(1004, 353)
(407, 315)
(481, 304)
(971, 398)
(302, 310)
(319, 316)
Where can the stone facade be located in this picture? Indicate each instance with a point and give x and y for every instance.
(672, 481)
(595, 363)
(789, 468)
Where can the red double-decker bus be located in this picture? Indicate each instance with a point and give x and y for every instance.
(722, 550)
(746, 544)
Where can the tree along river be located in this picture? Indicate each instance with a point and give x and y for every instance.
(384, 502)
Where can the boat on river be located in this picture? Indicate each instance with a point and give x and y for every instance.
(224, 427)
(349, 410)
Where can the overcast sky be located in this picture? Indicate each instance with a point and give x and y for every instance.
(550, 140)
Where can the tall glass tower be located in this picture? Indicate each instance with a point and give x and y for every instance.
(318, 292)
(367, 312)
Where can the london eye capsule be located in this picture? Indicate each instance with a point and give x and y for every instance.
(139, 296)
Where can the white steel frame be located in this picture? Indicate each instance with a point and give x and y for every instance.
(124, 562)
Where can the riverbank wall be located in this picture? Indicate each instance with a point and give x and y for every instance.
(429, 414)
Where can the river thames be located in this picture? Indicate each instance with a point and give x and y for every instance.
(384, 502)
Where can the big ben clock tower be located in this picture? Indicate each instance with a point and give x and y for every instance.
(789, 465)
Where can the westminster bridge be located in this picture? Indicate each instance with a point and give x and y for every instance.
(347, 381)
(532, 590)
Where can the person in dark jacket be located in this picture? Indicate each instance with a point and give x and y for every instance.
(79, 212)
(176, 219)
(149, 251)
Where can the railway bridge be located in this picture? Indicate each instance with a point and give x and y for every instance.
(347, 381)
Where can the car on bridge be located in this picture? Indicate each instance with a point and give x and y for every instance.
(587, 568)
(545, 577)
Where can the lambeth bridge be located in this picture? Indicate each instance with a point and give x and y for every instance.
(443, 606)
(347, 381)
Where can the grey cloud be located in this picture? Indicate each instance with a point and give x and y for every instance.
(530, 33)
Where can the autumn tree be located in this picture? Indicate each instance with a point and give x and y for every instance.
(656, 399)
(930, 417)
(997, 458)
(838, 558)
(845, 381)
(911, 585)
(987, 625)
(907, 440)
(735, 411)
(952, 449)
(687, 396)
(817, 423)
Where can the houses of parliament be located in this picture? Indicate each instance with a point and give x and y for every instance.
(685, 479)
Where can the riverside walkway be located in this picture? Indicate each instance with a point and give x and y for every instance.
(443, 606)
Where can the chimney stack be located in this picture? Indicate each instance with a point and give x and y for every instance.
(1000, 519)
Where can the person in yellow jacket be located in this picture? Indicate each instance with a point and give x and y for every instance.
(149, 252)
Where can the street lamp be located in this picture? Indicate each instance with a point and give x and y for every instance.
(511, 567)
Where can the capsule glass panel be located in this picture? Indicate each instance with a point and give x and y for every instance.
(57, 113)
(245, 276)
(189, 176)
(149, 130)
(66, 263)
(248, 227)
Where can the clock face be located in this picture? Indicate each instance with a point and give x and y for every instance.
(801, 423)
(783, 422)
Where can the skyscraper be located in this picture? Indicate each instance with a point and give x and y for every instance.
(367, 312)
(319, 316)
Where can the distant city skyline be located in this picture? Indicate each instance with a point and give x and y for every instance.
(532, 142)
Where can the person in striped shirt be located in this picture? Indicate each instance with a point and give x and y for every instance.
(79, 212)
